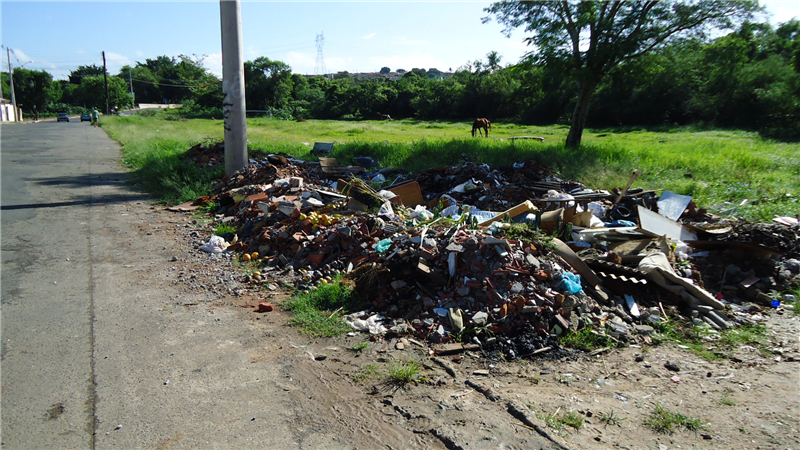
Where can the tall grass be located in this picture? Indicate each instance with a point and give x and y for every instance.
(714, 166)
(155, 151)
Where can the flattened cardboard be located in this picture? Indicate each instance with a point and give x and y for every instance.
(410, 193)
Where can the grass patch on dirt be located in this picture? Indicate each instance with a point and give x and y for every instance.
(369, 372)
(794, 305)
(745, 334)
(664, 421)
(709, 344)
(586, 339)
(360, 347)
(224, 228)
(403, 372)
(320, 312)
(393, 376)
(712, 166)
(569, 418)
(610, 418)
(726, 398)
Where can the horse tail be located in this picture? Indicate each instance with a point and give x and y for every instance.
(490, 124)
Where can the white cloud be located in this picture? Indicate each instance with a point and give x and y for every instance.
(115, 61)
(21, 56)
(251, 54)
(213, 63)
(369, 36)
(781, 10)
(301, 62)
(139, 53)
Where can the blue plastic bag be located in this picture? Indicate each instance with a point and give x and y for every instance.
(571, 282)
(383, 245)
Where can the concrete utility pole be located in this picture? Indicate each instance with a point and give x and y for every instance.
(233, 105)
(105, 79)
(11, 84)
(133, 96)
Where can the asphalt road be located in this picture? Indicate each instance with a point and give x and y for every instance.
(96, 352)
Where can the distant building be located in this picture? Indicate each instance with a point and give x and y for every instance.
(8, 113)
(377, 75)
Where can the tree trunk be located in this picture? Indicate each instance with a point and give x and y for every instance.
(585, 91)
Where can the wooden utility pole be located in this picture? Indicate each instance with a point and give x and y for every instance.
(105, 80)
(233, 105)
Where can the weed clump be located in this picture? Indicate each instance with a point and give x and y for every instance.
(664, 421)
(320, 312)
(569, 418)
(586, 339)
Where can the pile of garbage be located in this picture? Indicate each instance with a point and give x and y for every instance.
(207, 154)
(472, 254)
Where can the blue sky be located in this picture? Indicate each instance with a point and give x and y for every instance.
(58, 36)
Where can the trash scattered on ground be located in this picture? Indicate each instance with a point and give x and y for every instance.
(500, 258)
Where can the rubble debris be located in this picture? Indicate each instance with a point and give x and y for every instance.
(476, 258)
(264, 307)
(207, 154)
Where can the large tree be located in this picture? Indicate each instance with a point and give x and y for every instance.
(92, 93)
(594, 37)
(268, 84)
(32, 88)
(76, 76)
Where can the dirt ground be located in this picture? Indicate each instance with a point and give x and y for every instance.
(472, 401)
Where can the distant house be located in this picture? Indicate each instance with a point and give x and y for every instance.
(8, 113)
(376, 75)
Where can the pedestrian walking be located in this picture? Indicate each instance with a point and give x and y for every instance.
(94, 116)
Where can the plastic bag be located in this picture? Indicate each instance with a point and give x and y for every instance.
(215, 245)
(383, 245)
(421, 212)
(372, 324)
(571, 282)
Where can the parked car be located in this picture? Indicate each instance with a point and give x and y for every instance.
(62, 116)
(86, 117)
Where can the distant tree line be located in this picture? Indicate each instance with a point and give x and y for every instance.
(748, 79)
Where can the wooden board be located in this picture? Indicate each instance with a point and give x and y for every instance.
(522, 208)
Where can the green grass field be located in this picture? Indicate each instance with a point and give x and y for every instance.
(713, 166)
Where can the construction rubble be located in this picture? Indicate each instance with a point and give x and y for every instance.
(473, 256)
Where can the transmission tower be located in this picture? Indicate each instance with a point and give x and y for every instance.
(319, 67)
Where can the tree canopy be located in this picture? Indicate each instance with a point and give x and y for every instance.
(591, 38)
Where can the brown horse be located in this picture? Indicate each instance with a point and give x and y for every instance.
(384, 116)
(481, 123)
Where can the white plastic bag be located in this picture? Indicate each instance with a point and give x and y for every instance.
(215, 245)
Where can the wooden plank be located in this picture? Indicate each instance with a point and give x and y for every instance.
(451, 349)
(524, 207)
